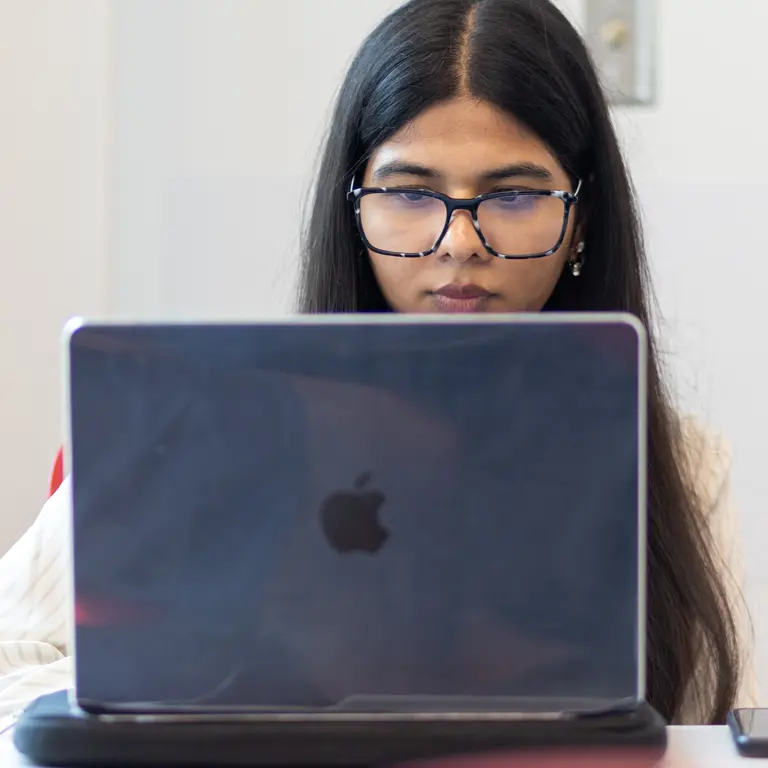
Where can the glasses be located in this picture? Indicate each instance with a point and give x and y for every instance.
(411, 223)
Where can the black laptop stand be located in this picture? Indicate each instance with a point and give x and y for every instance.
(51, 733)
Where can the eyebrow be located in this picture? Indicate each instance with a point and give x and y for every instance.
(517, 170)
(528, 170)
(401, 168)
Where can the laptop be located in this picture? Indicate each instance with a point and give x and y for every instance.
(364, 515)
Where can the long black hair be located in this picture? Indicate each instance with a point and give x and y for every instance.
(524, 57)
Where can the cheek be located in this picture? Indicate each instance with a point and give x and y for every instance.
(526, 286)
(399, 280)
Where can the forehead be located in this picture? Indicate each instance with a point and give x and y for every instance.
(464, 137)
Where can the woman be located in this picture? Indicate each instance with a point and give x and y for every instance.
(471, 166)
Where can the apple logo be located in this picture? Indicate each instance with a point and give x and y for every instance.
(350, 519)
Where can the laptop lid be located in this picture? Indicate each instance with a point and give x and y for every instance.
(359, 513)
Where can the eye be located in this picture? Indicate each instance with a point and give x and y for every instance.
(413, 198)
(518, 201)
(515, 203)
(406, 201)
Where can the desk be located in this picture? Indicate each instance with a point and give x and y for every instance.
(688, 748)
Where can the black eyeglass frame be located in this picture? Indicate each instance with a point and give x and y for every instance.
(452, 204)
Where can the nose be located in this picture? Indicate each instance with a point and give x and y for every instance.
(462, 241)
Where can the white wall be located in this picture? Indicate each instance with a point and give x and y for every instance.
(218, 116)
(218, 108)
(53, 137)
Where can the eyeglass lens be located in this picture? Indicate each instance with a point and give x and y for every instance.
(412, 222)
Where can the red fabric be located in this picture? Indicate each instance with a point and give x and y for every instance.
(57, 476)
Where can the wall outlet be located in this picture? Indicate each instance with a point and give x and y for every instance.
(621, 35)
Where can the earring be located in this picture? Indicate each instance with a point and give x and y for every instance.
(577, 263)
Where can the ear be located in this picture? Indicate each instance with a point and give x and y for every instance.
(577, 251)
(578, 258)
(581, 216)
(577, 243)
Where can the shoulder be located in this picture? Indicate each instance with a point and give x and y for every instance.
(46, 542)
(46, 538)
(707, 457)
(34, 578)
(55, 517)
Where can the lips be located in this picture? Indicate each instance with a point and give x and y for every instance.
(456, 291)
(461, 298)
